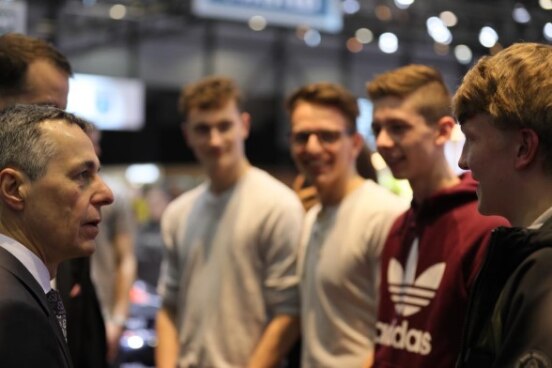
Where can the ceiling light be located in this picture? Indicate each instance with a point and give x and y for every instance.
(353, 45)
(350, 6)
(312, 38)
(403, 4)
(383, 13)
(547, 31)
(117, 11)
(257, 23)
(521, 14)
(546, 4)
(438, 31)
(488, 37)
(364, 35)
(463, 54)
(388, 43)
(449, 18)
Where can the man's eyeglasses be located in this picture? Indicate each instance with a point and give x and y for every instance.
(325, 137)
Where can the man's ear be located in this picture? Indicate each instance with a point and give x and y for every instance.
(246, 123)
(527, 148)
(358, 143)
(445, 126)
(13, 188)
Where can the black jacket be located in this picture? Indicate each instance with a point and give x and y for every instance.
(30, 335)
(509, 319)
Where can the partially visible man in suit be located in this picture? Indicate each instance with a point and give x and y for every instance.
(34, 72)
(50, 201)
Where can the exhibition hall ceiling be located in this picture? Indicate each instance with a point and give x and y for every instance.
(483, 26)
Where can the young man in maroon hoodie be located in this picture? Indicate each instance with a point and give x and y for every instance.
(434, 250)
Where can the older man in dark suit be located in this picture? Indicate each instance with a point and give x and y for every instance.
(50, 201)
(32, 71)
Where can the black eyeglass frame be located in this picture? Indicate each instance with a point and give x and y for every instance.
(324, 136)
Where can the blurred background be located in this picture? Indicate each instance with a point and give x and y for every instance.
(138, 53)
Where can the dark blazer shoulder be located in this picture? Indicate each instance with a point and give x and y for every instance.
(17, 278)
(29, 333)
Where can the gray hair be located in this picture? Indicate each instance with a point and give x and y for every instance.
(22, 145)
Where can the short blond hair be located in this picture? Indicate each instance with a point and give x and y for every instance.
(514, 87)
(426, 83)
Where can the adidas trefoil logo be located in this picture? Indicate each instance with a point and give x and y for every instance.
(408, 294)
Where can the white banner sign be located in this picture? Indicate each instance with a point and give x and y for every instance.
(13, 16)
(324, 15)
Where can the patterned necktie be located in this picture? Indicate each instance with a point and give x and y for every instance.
(56, 305)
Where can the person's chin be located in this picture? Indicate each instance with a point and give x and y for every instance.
(219, 163)
(87, 248)
(399, 169)
(322, 182)
(399, 173)
(317, 173)
(220, 170)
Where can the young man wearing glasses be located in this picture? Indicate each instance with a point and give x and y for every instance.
(434, 250)
(343, 234)
(229, 287)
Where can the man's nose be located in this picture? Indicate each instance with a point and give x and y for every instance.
(384, 140)
(462, 161)
(215, 137)
(103, 195)
(313, 143)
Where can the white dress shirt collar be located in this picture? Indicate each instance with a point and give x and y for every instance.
(32, 263)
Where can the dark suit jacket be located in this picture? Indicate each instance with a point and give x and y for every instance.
(30, 335)
(85, 325)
